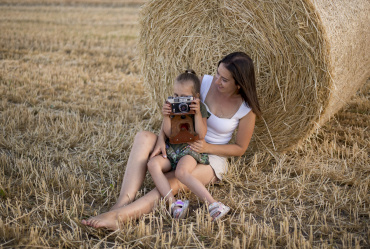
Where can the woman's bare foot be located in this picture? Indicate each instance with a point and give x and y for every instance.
(108, 220)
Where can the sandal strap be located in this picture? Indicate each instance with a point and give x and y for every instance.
(214, 205)
(178, 203)
(180, 211)
(217, 208)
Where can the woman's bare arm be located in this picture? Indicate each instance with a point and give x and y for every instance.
(243, 138)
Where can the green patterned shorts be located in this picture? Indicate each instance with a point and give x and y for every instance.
(175, 155)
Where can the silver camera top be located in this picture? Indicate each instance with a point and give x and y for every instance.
(185, 99)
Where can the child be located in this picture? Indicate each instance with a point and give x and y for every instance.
(180, 157)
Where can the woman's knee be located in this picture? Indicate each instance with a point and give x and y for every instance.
(145, 140)
(145, 136)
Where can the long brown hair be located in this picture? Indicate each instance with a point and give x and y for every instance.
(241, 68)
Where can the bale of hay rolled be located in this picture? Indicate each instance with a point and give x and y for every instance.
(310, 55)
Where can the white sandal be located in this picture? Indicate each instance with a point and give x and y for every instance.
(179, 212)
(217, 210)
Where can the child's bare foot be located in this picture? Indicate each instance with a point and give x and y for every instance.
(107, 220)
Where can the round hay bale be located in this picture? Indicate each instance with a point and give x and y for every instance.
(310, 56)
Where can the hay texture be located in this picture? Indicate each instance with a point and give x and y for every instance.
(310, 56)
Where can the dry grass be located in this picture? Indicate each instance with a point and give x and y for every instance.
(110, 3)
(72, 99)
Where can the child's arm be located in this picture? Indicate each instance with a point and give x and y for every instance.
(166, 110)
(167, 126)
(199, 122)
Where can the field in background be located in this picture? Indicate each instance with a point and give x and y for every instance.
(71, 102)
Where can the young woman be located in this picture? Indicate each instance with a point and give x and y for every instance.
(231, 98)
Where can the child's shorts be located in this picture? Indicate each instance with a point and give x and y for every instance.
(175, 156)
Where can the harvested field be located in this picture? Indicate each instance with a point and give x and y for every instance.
(71, 101)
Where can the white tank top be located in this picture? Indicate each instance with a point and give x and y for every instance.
(220, 130)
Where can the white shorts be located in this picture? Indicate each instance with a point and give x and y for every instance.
(219, 165)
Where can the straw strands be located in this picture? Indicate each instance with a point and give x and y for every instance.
(310, 56)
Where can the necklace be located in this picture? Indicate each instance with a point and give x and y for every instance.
(229, 114)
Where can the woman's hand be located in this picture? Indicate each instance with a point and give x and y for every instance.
(200, 146)
(166, 109)
(160, 146)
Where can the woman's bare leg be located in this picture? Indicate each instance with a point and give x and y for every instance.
(145, 204)
(134, 210)
(136, 167)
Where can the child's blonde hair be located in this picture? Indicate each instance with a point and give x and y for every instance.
(190, 75)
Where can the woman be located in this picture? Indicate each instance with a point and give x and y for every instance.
(231, 98)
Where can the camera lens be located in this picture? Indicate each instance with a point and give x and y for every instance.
(183, 107)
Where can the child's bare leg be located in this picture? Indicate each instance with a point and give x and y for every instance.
(157, 166)
(136, 167)
(133, 210)
(183, 172)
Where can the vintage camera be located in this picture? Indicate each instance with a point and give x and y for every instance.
(180, 104)
(182, 120)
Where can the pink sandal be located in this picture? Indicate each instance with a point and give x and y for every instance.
(217, 210)
(181, 209)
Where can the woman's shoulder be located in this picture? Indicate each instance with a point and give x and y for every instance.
(206, 79)
(205, 85)
(243, 110)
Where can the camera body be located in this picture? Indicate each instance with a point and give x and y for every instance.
(180, 104)
(182, 120)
